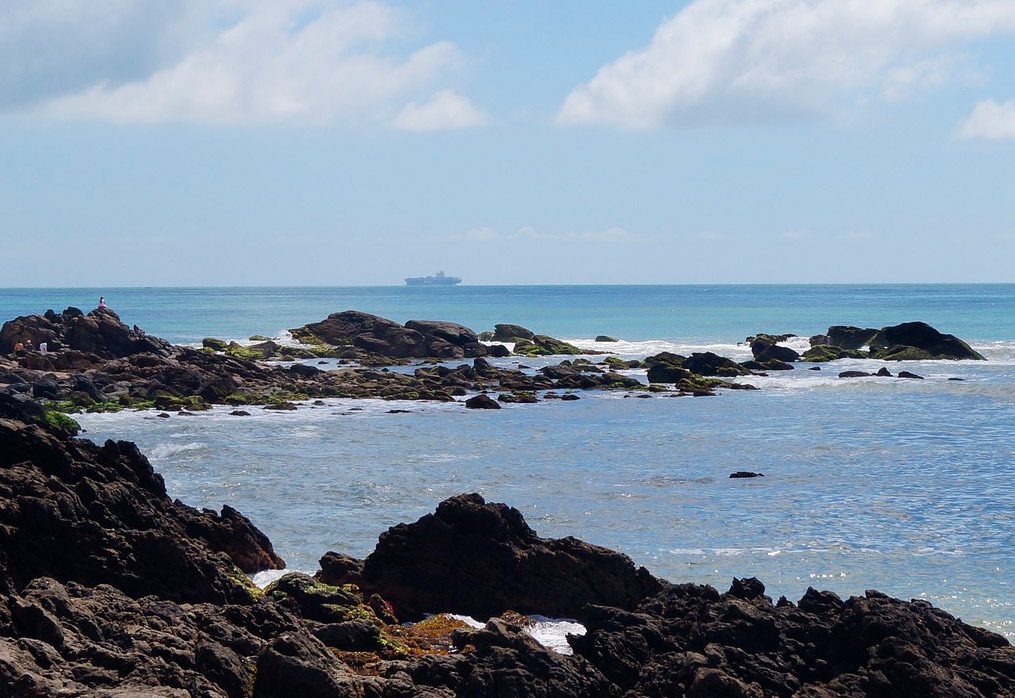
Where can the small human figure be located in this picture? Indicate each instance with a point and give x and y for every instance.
(43, 348)
(138, 331)
(19, 347)
(29, 346)
(102, 302)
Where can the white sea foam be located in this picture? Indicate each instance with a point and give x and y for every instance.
(168, 450)
(266, 577)
(551, 633)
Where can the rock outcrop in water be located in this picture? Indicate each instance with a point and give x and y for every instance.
(108, 588)
(910, 341)
(96, 362)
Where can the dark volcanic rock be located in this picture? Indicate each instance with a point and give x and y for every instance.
(482, 559)
(745, 474)
(100, 332)
(846, 336)
(709, 364)
(606, 338)
(918, 340)
(690, 640)
(482, 402)
(100, 515)
(767, 350)
(452, 333)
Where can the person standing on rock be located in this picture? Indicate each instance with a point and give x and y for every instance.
(102, 302)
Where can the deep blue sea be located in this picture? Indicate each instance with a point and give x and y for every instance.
(900, 485)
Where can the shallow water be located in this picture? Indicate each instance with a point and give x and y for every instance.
(899, 485)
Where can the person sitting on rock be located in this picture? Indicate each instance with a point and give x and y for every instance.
(19, 348)
(29, 346)
(102, 302)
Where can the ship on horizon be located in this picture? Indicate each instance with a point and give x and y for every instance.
(438, 279)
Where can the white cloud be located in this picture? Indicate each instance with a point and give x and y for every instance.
(752, 59)
(991, 120)
(445, 110)
(240, 61)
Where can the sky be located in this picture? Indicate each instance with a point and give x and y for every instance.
(322, 142)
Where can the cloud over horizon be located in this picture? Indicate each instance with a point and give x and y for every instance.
(990, 120)
(727, 61)
(230, 62)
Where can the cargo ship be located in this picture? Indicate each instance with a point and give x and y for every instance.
(438, 279)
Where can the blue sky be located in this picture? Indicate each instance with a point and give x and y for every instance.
(238, 142)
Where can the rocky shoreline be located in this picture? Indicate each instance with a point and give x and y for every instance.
(94, 362)
(108, 587)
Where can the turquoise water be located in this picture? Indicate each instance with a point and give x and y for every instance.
(903, 486)
(713, 313)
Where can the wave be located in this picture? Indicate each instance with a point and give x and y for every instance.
(168, 450)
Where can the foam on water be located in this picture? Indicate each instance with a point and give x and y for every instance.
(551, 633)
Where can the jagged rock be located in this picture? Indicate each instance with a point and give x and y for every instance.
(690, 640)
(482, 559)
(745, 474)
(100, 332)
(100, 515)
(907, 374)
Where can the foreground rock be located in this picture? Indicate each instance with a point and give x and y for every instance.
(92, 514)
(691, 640)
(483, 559)
(107, 588)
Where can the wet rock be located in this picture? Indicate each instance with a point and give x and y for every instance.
(498, 351)
(569, 397)
(847, 336)
(884, 372)
(745, 474)
(829, 352)
(854, 374)
(482, 402)
(543, 345)
(907, 374)
(918, 340)
(606, 338)
(764, 349)
(709, 364)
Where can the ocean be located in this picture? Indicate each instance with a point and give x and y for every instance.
(904, 486)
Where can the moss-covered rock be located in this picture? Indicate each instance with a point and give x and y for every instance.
(543, 345)
(214, 344)
(821, 353)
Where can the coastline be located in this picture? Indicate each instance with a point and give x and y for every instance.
(429, 556)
